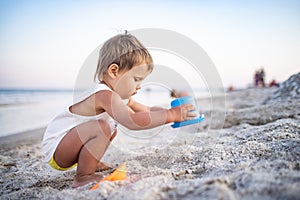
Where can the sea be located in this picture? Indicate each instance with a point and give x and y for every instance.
(29, 109)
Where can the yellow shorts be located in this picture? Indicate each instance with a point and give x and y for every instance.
(54, 165)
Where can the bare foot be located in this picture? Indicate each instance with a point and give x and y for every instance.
(101, 166)
(83, 180)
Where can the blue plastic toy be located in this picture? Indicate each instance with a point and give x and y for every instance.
(186, 100)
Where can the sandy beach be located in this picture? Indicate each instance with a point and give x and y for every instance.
(256, 155)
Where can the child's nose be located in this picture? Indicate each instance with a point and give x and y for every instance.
(138, 87)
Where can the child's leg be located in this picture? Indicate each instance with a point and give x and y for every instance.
(85, 145)
(101, 166)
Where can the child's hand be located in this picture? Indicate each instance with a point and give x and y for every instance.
(182, 113)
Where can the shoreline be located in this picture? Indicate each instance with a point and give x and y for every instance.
(24, 138)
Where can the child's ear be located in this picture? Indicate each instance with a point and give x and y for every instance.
(113, 71)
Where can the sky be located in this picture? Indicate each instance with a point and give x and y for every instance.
(43, 44)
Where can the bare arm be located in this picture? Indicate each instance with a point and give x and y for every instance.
(144, 119)
(138, 107)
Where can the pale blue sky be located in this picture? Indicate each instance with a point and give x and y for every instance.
(44, 43)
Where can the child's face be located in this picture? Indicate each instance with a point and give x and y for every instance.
(128, 82)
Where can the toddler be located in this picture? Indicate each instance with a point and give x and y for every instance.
(81, 133)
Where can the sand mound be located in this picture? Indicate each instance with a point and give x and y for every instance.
(287, 91)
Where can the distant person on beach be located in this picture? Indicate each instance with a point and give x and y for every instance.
(82, 132)
(273, 83)
(262, 77)
(176, 94)
(256, 78)
(259, 78)
(230, 88)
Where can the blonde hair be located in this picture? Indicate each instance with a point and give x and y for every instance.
(124, 50)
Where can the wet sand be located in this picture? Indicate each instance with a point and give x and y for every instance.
(255, 156)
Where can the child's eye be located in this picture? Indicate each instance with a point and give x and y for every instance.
(136, 79)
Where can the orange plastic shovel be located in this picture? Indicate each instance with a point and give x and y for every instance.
(118, 175)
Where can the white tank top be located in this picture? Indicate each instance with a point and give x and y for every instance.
(65, 121)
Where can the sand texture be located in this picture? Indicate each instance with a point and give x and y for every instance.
(255, 156)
